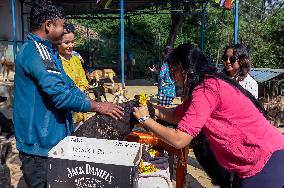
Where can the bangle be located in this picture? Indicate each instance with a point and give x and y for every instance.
(143, 119)
(95, 106)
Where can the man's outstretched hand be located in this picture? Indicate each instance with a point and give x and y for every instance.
(107, 108)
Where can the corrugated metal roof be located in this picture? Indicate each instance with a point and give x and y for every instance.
(264, 74)
(84, 7)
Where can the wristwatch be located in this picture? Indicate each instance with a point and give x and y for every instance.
(143, 119)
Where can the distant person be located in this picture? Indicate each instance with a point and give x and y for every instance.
(44, 95)
(166, 88)
(73, 67)
(152, 73)
(130, 65)
(237, 66)
(166, 94)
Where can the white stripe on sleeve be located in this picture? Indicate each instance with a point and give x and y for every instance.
(40, 51)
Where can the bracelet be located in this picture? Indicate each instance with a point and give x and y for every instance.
(95, 106)
(143, 119)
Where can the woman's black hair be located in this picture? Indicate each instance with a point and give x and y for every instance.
(241, 53)
(190, 58)
(43, 10)
(196, 68)
(69, 28)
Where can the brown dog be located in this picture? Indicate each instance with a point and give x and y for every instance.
(7, 66)
(102, 74)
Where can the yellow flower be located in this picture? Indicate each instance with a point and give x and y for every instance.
(154, 153)
(146, 169)
(143, 98)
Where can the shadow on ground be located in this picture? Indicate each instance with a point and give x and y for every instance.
(192, 182)
(139, 82)
(193, 162)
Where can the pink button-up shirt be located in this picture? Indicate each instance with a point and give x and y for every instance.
(239, 135)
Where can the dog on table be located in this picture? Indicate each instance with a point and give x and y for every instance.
(102, 74)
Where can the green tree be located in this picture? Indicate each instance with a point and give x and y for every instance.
(260, 28)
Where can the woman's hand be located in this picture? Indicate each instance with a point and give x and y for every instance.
(140, 111)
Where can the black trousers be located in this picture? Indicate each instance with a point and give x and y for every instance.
(272, 175)
(34, 170)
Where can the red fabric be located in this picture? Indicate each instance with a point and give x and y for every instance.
(239, 135)
(227, 4)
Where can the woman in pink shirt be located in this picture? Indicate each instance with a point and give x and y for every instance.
(235, 123)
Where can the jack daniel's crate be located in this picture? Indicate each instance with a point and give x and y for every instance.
(98, 163)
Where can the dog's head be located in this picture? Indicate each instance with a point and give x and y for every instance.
(101, 83)
(93, 82)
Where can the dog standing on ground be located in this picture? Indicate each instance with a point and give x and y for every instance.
(98, 90)
(102, 74)
(7, 65)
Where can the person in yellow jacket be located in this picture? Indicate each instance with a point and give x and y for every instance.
(73, 67)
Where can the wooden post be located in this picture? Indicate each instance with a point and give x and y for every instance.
(181, 169)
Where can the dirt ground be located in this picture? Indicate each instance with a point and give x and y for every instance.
(196, 177)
